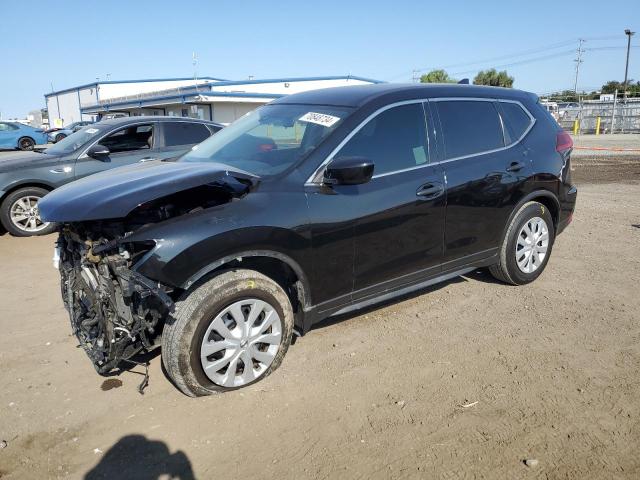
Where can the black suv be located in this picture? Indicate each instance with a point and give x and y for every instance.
(316, 204)
(26, 177)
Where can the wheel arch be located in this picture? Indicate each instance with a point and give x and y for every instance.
(546, 198)
(275, 265)
(25, 184)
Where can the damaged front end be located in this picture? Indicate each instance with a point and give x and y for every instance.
(114, 311)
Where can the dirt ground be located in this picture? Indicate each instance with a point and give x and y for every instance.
(465, 380)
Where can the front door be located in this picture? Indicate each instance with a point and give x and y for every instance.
(400, 213)
(131, 144)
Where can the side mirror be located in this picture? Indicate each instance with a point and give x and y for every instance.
(99, 152)
(348, 171)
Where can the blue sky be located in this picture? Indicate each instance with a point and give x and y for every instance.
(67, 43)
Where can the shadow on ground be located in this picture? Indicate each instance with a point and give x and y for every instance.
(135, 456)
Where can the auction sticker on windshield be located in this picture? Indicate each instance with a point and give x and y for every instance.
(319, 118)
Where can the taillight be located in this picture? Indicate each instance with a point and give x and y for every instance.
(563, 142)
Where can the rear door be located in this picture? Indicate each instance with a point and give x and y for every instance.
(485, 170)
(127, 145)
(180, 136)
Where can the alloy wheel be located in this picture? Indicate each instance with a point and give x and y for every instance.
(25, 216)
(532, 245)
(241, 343)
(26, 144)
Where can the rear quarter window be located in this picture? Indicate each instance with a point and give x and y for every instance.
(516, 119)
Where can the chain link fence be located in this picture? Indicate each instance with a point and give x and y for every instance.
(623, 118)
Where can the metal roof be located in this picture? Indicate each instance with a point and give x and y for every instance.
(218, 81)
(106, 82)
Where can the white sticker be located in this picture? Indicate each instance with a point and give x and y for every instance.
(91, 130)
(319, 118)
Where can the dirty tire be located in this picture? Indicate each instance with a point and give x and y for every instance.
(185, 329)
(507, 270)
(5, 212)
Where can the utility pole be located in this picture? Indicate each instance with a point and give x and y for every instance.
(194, 61)
(578, 61)
(415, 78)
(629, 34)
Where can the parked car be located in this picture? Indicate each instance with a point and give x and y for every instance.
(317, 204)
(27, 177)
(568, 110)
(17, 136)
(56, 134)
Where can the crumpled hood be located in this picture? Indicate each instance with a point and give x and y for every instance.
(18, 160)
(115, 193)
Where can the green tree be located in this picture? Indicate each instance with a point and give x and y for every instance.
(493, 78)
(612, 86)
(437, 76)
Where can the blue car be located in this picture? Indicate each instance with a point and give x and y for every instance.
(14, 135)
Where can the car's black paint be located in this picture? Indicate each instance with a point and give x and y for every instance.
(91, 198)
(348, 244)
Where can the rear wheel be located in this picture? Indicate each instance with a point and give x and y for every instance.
(527, 245)
(19, 213)
(229, 332)
(26, 143)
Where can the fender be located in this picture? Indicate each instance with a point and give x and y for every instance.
(529, 197)
(15, 185)
(254, 253)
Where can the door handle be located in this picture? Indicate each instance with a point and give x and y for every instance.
(147, 159)
(515, 167)
(430, 190)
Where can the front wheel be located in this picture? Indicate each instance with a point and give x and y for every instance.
(229, 332)
(527, 245)
(19, 213)
(60, 136)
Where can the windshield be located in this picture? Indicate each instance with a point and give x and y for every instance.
(270, 139)
(74, 141)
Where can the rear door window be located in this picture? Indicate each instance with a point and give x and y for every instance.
(184, 133)
(515, 118)
(5, 127)
(469, 127)
(394, 140)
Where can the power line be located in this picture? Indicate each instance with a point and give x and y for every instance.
(524, 62)
(523, 53)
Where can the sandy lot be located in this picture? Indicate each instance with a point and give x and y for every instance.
(388, 393)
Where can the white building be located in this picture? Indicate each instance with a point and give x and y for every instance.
(208, 98)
